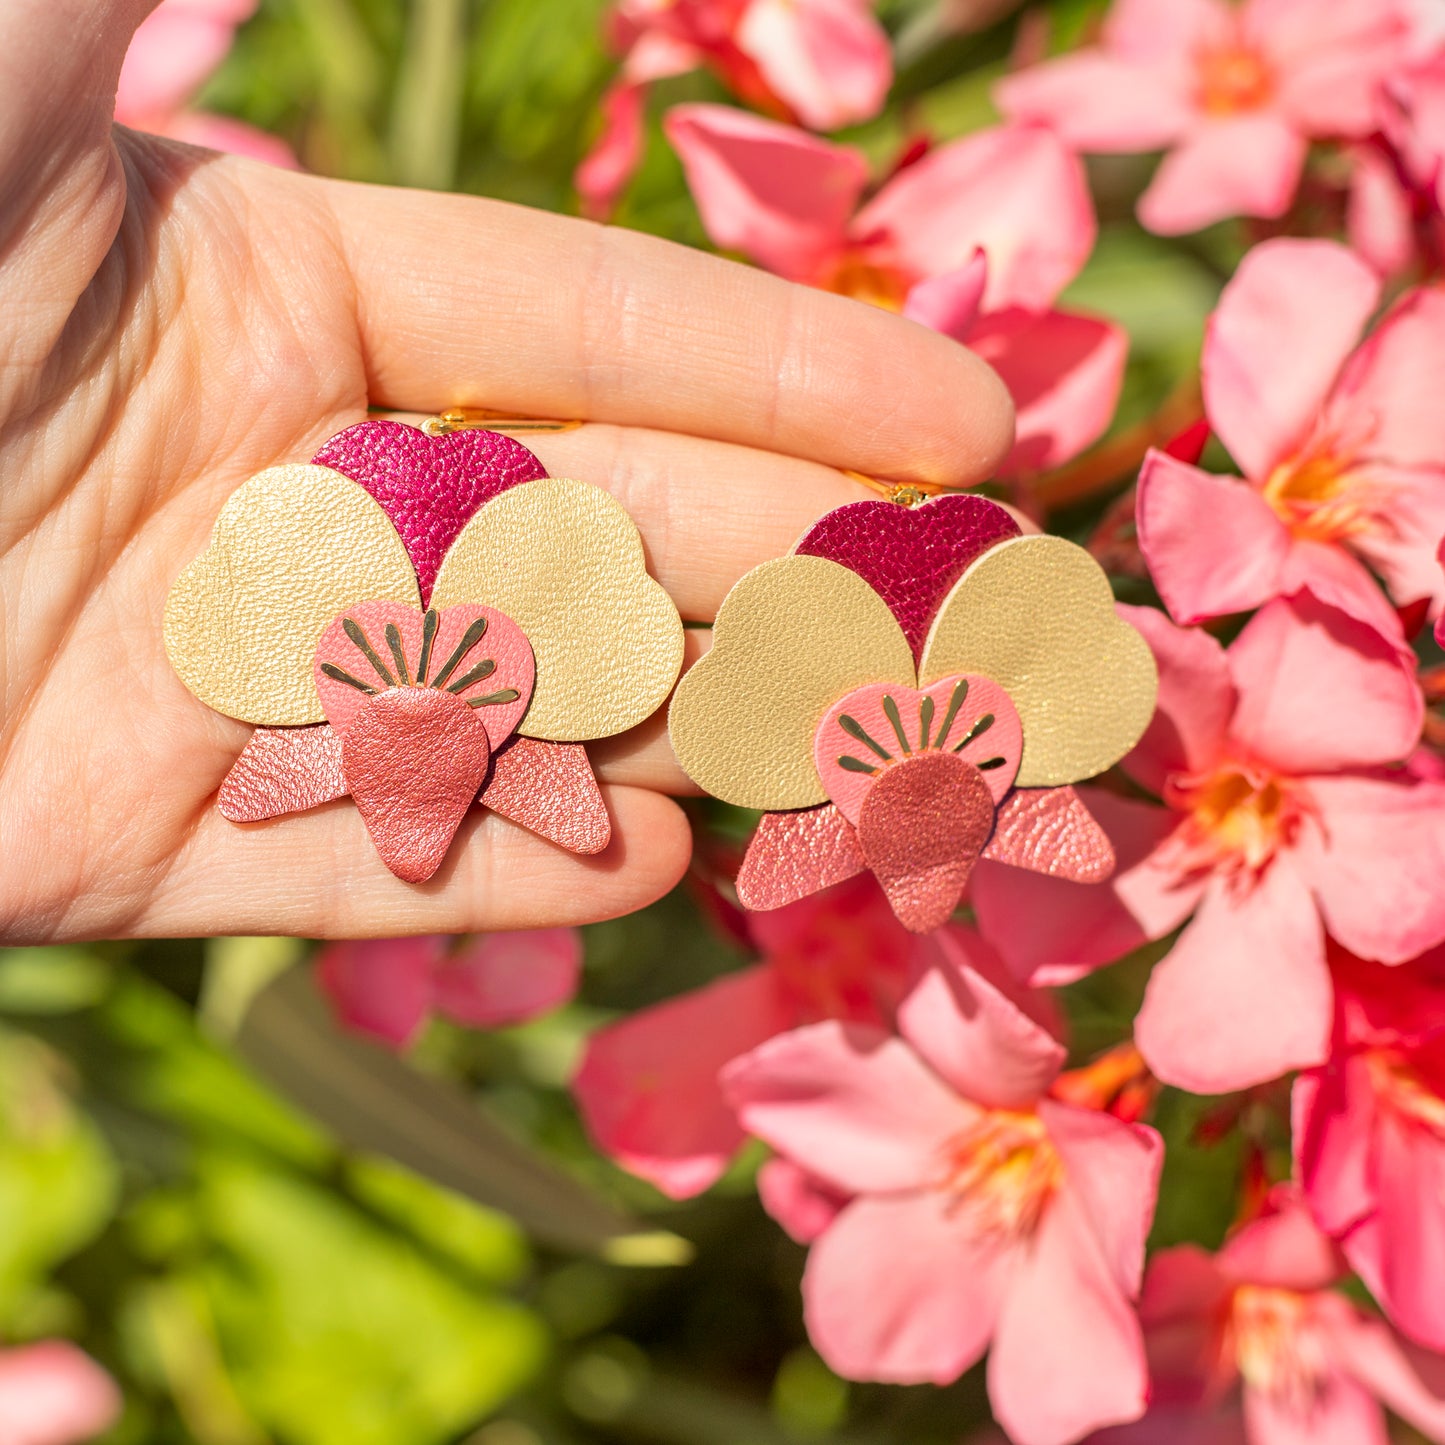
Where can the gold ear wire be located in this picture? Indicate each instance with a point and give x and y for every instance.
(472, 418)
(906, 494)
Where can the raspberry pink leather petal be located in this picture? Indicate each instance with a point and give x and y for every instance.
(1049, 830)
(922, 828)
(455, 660)
(550, 789)
(283, 770)
(429, 486)
(794, 855)
(414, 760)
(969, 717)
(910, 556)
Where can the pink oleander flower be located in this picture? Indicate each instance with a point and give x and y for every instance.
(824, 63)
(1342, 446)
(648, 1085)
(51, 1393)
(388, 987)
(1234, 94)
(977, 240)
(980, 1214)
(1256, 1345)
(1281, 818)
(1369, 1136)
(174, 52)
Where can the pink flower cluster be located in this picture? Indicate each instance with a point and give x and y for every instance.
(1280, 829)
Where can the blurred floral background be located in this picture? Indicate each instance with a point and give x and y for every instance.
(201, 1237)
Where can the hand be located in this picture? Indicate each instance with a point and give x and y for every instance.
(172, 321)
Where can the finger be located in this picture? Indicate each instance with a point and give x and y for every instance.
(467, 300)
(317, 875)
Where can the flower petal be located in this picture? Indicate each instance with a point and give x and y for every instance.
(1339, 1413)
(506, 978)
(1244, 166)
(771, 191)
(900, 1289)
(648, 1086)
(551, 790)
(950, 302)
(51, 1393)
(283, 770)
(1298, 661)
(802, 1205)
(1404, 549)
(172, 53)
(1196, 701)
(794, 855)
(1408, 1380)
(1276, 345)
(850, 1104)
(1332, 1116)
(1374, 854)
(381, 987)
(610, 164)
(1024, 614)
(791, 638)
(1068, 1355)
(1282, 1249)
(1410, 1166)
(1340, 580)
(1213, 544)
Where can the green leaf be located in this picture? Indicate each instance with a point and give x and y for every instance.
(50, 980)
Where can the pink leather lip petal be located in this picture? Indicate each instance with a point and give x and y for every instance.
(910, 556)
(414, 759)
(923, 826)
(928, 713)
(1049, 830)
(503, 643)
(283, 770)
(550, 789)
(794, 855)
(430, 487)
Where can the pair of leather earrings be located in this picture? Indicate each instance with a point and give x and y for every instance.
(417, 617)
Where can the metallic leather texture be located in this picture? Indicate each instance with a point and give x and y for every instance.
(1036, 614)
(565, 562)
(1049, 830)
(791, 638)
(292, 547)
(414, 759)
(283, 770)
(794, 855)
(502, 644)
(428, 486)
(922, 828)
(910, 556)
(984, 714)
(550, 789)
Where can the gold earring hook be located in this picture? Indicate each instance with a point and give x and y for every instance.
(472, 418)
(906, 494)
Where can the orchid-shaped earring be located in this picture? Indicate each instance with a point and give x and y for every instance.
(421, 620)
(913, 689)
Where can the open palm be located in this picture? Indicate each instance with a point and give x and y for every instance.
(172, 321)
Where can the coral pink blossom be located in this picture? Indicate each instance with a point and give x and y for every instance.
(1342, 447)
(977, 239)
(1233, 94)
(53, 1394)
(1259, 1329)
(172, 54)
(980, 1214)
(1369, 1136)
(648, 1085)
(1280, 819)
(388, 987)
(824, 63)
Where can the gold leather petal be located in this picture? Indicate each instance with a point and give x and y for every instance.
(293, 547)
(1036, 614)
(564, 561)
(794, 636)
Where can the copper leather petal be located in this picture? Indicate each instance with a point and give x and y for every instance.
(428, 486)
(283, 770)
(793, 855)
(1049, 830)
(922, 828)
(414, 759)
(550, 789)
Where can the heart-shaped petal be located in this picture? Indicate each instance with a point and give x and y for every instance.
(922, 828)
(910, 556)
(1037, 615)
(475, 653)
(876, 727)
(429, 486)
(414, 759)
